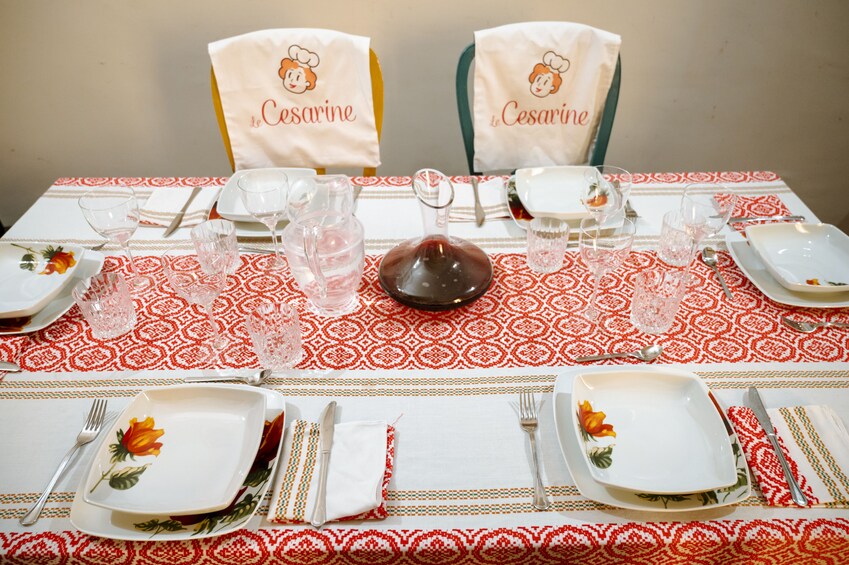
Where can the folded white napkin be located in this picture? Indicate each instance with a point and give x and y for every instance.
(360, 465)
(492, 199)
(539, 92)
(297, 98)
(164, 203)
(816, 444)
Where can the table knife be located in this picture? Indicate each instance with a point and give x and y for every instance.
(175, 223)
(480, 215)
(7, 367)
(325, 442)
(758, 408)
(741, 219)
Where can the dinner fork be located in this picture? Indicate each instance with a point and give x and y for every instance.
(91, 427)
(528, 421)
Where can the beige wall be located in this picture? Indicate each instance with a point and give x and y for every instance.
(110, 87)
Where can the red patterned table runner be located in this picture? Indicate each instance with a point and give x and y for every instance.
(523, 320)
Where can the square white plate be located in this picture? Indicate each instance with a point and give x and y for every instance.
(752, 266)
(28, 281)
(651, 431)
(797, 253)
(230, 204)
(105, 523)
(209, 437)
(553, 191)
(589, 488)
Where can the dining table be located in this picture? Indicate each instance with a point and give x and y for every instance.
(448, 382)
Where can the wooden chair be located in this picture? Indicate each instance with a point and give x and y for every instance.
(377, 99)
(467, 123)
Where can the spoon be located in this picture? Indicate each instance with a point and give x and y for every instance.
(648, 353)
(709, 259)
(255, 379)
(808, 327)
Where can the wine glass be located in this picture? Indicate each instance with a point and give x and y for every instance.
(114, 214)
(705, 209)
(603, 251)
(607, 189)
(199, 283)
(264, 193)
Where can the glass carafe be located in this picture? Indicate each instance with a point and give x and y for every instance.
(435, 271)
(324, 243)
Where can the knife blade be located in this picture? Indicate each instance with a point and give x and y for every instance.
(758, 408)
(325, 443)
(741, 219)
(7, 367)
(175, 223)
(480, 215)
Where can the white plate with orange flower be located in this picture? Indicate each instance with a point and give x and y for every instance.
(566, 407)
(178, 450)
(240, 513)
(32, 274)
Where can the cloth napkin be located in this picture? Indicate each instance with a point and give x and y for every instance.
(164, 204)
(361, 462)
(12, 347)
(492, 199)
(752, 206)
(527, 79)
(814, 441)
(297, 97)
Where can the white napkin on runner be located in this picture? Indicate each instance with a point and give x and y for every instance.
(492, 199)
(816, 444)
(297, 98)
(522, 116)
(164, 204)
(360, 460)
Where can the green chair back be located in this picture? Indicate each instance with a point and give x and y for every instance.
(467, 123)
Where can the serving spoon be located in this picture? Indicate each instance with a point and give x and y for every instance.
(648, 353)
(255, 379)
(808, 327)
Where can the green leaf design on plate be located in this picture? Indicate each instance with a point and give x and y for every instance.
(126, 478)
(242, 509)
(28, 262)
(157, 526)
(601, 457)
(664, 498)
(257, 477)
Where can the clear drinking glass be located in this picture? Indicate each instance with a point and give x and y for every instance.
(276, 335)
(603, 251)
(215, 242)
(114, 213)
(198, 284)
(607, 190)
(547, 239)
(657, 296)
(264, 193)
(705, 209)
(106, 304)
(675, 246)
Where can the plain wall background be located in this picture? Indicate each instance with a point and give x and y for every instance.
(118, 88)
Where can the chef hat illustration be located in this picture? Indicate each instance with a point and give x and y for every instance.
(555, 62)
(304, 56)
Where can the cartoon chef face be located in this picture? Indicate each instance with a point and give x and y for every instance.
(296, 71)
(545, 78)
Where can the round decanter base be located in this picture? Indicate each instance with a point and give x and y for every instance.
(435, 273)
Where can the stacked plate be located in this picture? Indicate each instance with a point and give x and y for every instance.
(797, 264)
(36, 280)
(182, 462)
(648, 439)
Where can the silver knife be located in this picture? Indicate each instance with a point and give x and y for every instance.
(175, 223)
(763, 418)
(325, 442)
(480, 215)
(7, 367)
(741, 219)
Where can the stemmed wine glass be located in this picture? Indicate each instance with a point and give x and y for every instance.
(198, 283)
(114, 214)
(705, 209)
(603, 251)
(264, 193)
(607, 189)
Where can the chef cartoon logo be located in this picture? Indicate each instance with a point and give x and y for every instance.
(545, 78)
(296, 70)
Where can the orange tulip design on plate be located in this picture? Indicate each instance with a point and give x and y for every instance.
(57, 260)
(592, 427)
(140, 440)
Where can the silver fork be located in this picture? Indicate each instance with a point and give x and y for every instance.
(528, 421)
(91, 427)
